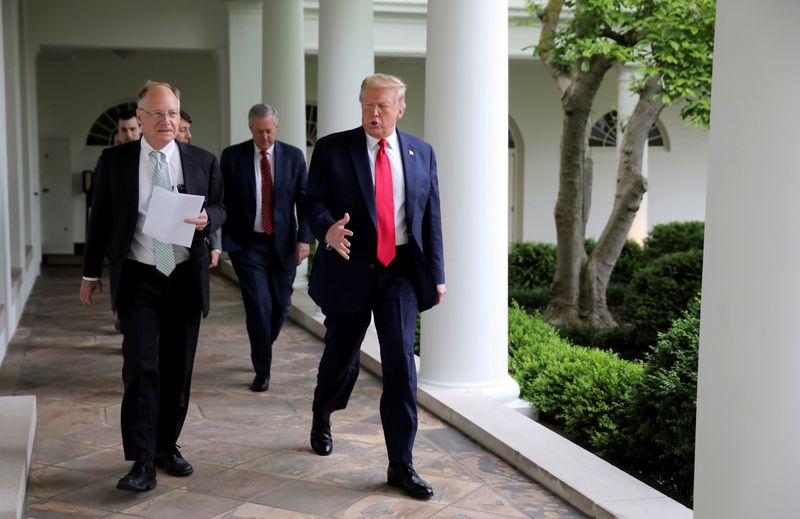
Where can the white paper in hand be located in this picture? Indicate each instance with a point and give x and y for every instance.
(166, 215)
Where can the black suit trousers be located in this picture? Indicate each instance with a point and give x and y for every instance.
(394, 306)
(160, 319)
(267, 294)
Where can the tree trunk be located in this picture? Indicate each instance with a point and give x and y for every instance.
(574, 193)
(631, 186)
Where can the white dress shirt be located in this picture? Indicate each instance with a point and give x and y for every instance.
(142, 245)
(257, 227)
(398, 182)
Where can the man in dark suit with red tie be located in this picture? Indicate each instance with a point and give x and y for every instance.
(158, 290)
(265, 182)
(373, 201)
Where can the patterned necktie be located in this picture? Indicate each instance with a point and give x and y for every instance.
(163, 252)
(384, 205)
(267, 222)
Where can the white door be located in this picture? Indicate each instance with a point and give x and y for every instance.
(56, 196)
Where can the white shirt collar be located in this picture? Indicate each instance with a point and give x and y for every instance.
(168, 150)
(258, 150)
(391, 140)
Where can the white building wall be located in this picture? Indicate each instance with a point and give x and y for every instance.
(535, 107)
(677, 182)
(174, 24)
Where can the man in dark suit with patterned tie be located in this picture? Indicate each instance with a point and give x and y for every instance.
(159, 290)
(265, 181)
(373, 201)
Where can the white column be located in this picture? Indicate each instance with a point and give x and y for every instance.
(464, 341)
(244, 63)
(284, 78)
(626, 102)
(346, 56)
(284, 71)
(7, 324)
(748, 423)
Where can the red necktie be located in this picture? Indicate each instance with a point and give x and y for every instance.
(384, 205)
(266, 194)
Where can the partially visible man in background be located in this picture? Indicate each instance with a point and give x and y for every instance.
(265, 181)
(184, 135)
(215, 238)
(128, 128)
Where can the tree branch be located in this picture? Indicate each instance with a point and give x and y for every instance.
(550, 16)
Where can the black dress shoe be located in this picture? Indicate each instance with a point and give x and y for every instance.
(321, 439)
(173, 463)
(260, 383)
(403, 475)
(141, 477)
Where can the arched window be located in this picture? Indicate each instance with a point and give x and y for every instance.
(604, 132)
(311, 125)
(105, 126)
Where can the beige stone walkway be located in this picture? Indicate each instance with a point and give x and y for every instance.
(250, 451)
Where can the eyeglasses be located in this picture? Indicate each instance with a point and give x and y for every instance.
(158, 114)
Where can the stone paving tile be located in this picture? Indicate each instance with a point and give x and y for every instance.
(50, 481)
(250, 451)
(382, 506)
(312, 498)
(57, 510)
(183, 504)
(254, 511)
(237, 484)
(485, 499)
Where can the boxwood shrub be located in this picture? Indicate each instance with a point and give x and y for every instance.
(661, 291)
(657, 428)
(578, 389)
(531, 265)
(667, 238)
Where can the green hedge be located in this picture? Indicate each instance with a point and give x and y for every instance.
(579, 389)
(536, 297)
(661, 291)
(657, 429)
(531, 265)
(622, 340)
(668, 238)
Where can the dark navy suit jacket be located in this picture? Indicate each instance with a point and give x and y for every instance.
(115, 209)
(340, 182)
(238, 172)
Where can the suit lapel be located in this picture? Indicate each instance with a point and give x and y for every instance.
(249, 170)
(360, 158)
(130, 173)
(277, 182)
(408, 157)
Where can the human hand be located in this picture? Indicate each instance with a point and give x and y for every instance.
(441, 290)
(336, 237)
(301, 251)
(200, 222)
(89, 289)
(214, 258)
